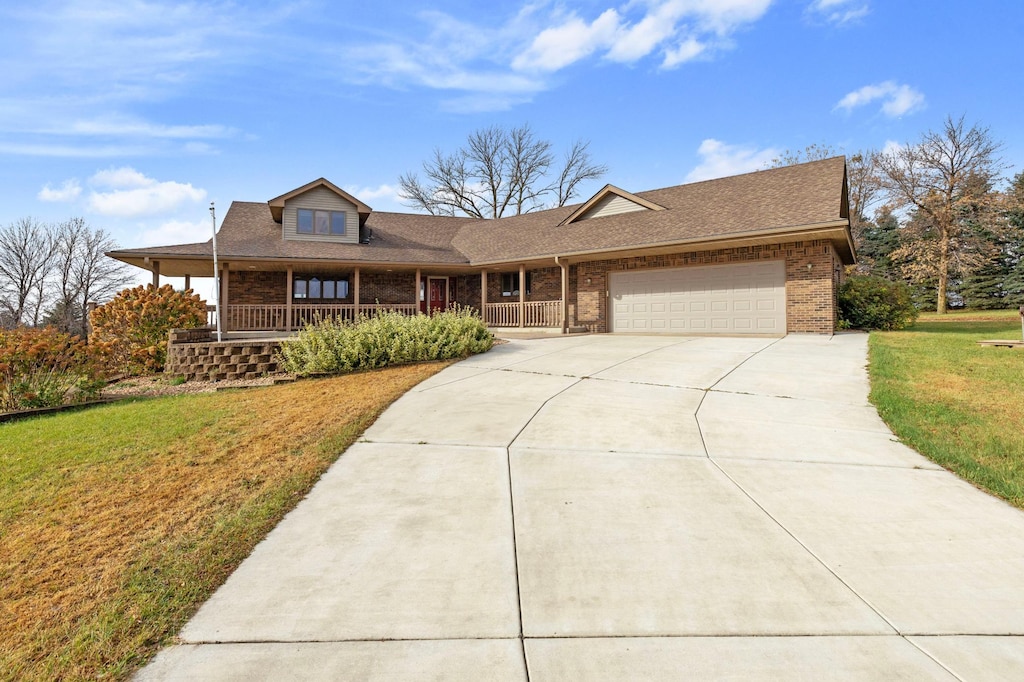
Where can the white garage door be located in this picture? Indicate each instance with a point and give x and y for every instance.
(748, 298)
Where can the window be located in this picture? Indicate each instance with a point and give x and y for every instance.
(320, 288)
(510, 283)
(309, 221)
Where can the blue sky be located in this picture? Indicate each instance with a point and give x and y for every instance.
(136, 114)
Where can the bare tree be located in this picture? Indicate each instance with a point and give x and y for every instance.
(26, 254)
(812, 152)
(96, 277)
(499, 171)
(946, 181)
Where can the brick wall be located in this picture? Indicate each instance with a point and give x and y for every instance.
(545, 285)
(467, 290)
(810, 294)
(387, 287)
(252, 287)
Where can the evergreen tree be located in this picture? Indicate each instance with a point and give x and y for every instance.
(878, 239)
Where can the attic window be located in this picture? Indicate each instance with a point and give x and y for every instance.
(310, 221)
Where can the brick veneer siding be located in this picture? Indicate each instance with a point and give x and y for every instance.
(810, 294)
(249, 287)
(392, 288)
(467, 290)
(545, 285)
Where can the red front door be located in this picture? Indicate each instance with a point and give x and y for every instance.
(438, 298)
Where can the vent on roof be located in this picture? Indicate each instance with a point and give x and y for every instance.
(365, 234)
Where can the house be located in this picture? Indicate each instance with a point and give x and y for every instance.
(759, 253)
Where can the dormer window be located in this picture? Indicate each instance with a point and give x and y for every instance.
(311, 221)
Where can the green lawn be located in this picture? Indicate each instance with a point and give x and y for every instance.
(117, 522)
(958, 403)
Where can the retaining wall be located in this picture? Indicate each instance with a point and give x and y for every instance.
(191, 354)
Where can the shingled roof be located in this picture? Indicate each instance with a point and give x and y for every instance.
(764, 203)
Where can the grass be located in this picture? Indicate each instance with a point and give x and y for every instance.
(958, 403)
(117, 522)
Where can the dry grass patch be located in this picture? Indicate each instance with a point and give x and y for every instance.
(116, 523)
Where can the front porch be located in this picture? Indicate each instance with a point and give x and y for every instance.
(285, 318)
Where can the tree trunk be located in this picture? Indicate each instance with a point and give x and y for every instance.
(940, 303)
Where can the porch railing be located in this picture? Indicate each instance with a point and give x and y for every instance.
(535, 314)
(274, 317)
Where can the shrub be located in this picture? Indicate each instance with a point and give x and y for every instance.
(45, 368)
(389, 338)
(876, 303)
(130, 332)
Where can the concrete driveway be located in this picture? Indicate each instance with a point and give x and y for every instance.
(627, 508)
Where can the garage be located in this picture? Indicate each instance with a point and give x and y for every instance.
(745, 298)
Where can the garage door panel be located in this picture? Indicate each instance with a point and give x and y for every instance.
(742, 298)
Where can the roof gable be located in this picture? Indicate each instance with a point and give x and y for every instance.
(277, 204)
(610, 200)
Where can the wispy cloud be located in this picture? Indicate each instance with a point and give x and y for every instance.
(106, 59)
(132, 194)
(67, 192)
(839, 12)
(719, 160)
(897, 99)
(494, 67)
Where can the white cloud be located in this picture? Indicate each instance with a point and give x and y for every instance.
(719, 160)
(679, 29)
(684, 52)
(494, 67)
(67, 192)
(120, 178)
(558, 46)
(133, 194)
(839, 11)
(177, 232)
(897, 99)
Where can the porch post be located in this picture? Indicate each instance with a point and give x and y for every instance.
(417, 298)
(288, 302)
(355, 293)
(156, 274)
(188, 282)
(522, 295)
(565, 297)
(483, 295)
(224, 297)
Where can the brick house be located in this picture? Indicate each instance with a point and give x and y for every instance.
(759, 253)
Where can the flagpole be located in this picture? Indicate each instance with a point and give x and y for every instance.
(216, 270)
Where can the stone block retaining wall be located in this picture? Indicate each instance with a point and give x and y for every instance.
(205, 360)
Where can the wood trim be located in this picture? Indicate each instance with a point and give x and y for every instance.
(522, 295)
(289, 292)
(355, 290)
